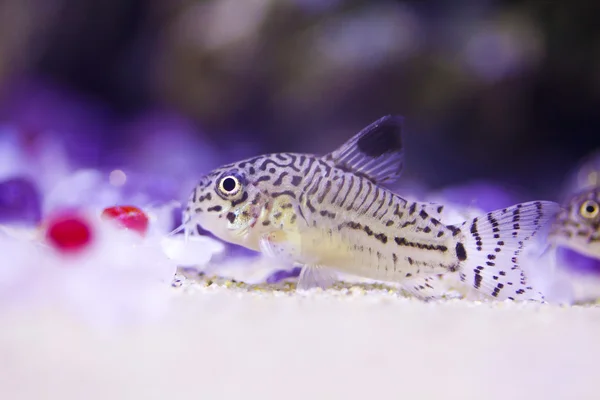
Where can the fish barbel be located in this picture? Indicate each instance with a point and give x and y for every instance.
(333, 213)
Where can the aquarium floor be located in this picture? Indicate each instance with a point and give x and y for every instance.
(223, 340)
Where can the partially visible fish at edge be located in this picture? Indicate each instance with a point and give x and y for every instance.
(577, 226)
(573, 250)
(333, 213)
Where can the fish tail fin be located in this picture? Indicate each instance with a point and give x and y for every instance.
(489, 259)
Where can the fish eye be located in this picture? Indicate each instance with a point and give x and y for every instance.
(590, 209)
(229, 185)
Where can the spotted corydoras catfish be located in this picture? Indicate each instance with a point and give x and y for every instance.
(332, 213)
(577, 226)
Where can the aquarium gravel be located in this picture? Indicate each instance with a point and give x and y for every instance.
(226, 339)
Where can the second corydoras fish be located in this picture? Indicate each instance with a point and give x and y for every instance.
(332, 213)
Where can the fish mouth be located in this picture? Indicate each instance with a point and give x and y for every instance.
(201, 231)
(194, 228)
(191, 224)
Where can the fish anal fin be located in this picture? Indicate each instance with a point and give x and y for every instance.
(376, 152)
(429, 288)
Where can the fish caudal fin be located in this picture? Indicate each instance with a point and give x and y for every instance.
(490, 256)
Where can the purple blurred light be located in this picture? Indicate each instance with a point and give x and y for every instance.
(494, 51)
(161, 142)
(317, 6)
(369, 37)
(577, 262)
(41, 111)
(164, 154)
(483, 195)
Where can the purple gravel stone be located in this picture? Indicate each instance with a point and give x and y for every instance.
(577, 262)
(19, 202)
(280, 275)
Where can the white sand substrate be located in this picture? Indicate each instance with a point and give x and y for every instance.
(220, 341)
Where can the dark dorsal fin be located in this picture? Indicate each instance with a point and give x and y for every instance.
(375, 152)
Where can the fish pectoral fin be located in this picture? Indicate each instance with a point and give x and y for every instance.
(376, 152)
(269, 247)
(285, 246)
(429, 288)
(312, 276)
(280, 244)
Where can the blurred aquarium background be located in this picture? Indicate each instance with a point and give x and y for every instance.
(130, 102)
(151, 94)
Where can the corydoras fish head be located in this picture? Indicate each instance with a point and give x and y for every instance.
(577, 226)
(227, 202)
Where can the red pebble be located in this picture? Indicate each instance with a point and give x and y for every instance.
(69, 233)
(129, 217)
